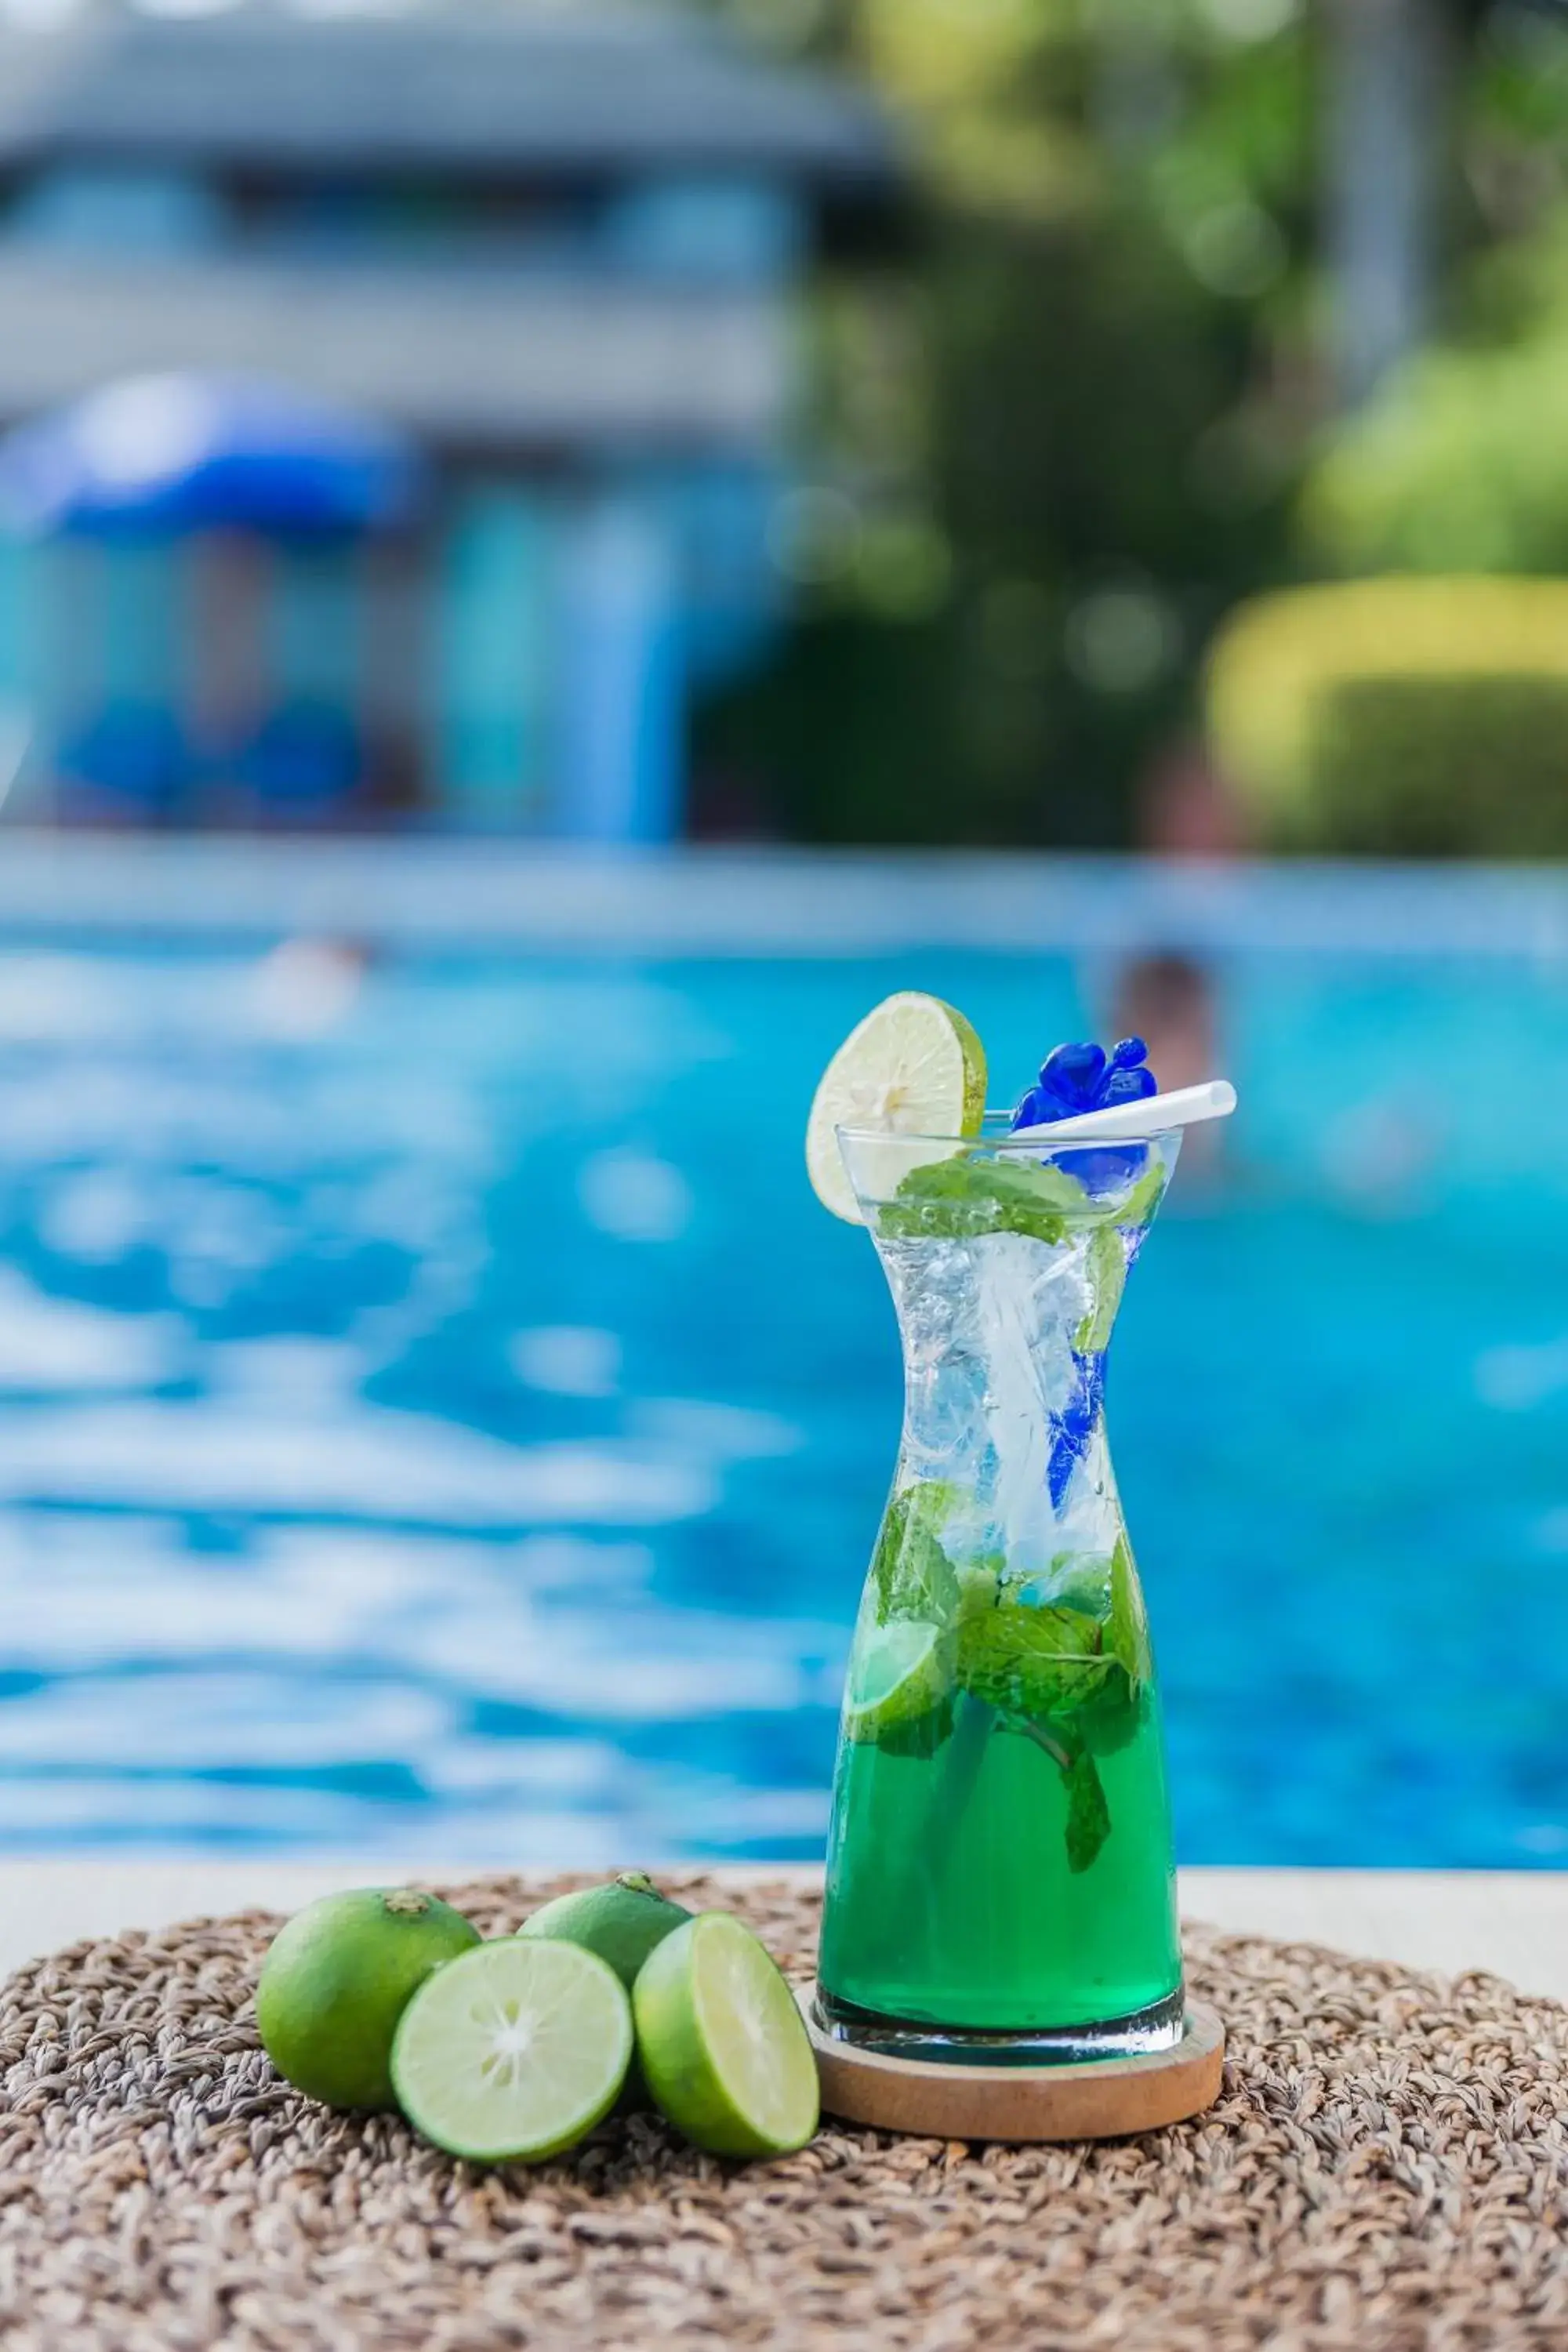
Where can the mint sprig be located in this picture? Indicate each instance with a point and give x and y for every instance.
(1070, 1675)
(921, 1735)
(1127, 1627)
(955, 1198)
(1107, 1280)
(971, 1194)
(1039, 1663)
(912, 1575)
(1089, 1815)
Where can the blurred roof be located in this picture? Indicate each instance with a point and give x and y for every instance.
(532, 93)
(463, 360)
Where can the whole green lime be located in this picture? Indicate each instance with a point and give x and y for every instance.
(621, 1921)
(338, 1976)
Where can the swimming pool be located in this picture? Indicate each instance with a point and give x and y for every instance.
(434, 1417)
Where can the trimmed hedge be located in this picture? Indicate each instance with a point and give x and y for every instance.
(1399, 717)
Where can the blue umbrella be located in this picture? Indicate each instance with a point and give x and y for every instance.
(184, 452)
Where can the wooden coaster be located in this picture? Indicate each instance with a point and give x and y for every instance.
(1104, 2098)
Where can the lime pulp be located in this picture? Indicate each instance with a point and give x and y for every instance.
(723, 2045)
(912, 1066)
(514, 2052)
(901, 1674)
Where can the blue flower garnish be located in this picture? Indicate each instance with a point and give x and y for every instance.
(1076, 1078)
(1081, 1078)
(1075, 1424)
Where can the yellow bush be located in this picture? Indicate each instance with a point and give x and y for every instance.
(1399, 716)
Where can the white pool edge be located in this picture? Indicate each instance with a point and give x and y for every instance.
(1511, 1923)
(514, 896)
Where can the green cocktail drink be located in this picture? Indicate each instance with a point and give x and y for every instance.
(1000, 1873)
(953, 1895)
(983, 1927)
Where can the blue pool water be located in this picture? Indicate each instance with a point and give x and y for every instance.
(436, 1418)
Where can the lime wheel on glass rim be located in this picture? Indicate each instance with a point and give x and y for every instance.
(912, 1066)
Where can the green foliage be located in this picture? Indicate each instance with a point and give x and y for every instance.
(1052, 447)
(913, 1574)
(1400, 717)
(972, 1193)
(1462, 467)
(1107, 1281)
(1038, 1663)
(1461, 464)
(1068, 434)
(1088, 1816)
(961, 1196)
(1127, 1635)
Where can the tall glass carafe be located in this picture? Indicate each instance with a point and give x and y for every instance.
(1000, 1874)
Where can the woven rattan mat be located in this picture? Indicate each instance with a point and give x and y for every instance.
(1388, 2169)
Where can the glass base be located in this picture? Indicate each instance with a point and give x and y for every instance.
(1146, 2030)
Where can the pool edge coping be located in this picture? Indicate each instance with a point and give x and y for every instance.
(428, 892)
(1512, 1924)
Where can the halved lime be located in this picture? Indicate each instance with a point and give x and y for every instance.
(900, 1671)
(722, 2044)
(913, 1067)
(514, 2051)
(622, 1922)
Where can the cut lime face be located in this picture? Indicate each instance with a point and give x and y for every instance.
(901, 1672)
(913, 1067)
(723, 2044)
(513, 2052)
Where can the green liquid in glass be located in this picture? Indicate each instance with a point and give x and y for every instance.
(961, 1908)
(1000, 1859)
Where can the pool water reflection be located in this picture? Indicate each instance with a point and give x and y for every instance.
(436, 1417)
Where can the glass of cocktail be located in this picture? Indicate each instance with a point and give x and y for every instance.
(1000, 1874)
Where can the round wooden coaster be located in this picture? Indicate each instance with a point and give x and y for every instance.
(1105, 2098)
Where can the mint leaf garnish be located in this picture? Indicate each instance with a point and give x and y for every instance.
(1082, 1581)
(913, 1574)
(1106, 1271)
(920, 1735)
(1089, 1817)
(971, 1194)
(979, 1584)
(1144, 1198)
(1110, 1716)
(1110, 1711)
(1039, 1663)
(955, 1198)
(1127, 1628)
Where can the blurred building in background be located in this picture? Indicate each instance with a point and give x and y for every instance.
(396, 406)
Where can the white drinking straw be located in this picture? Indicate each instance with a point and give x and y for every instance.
(1185, 1108)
